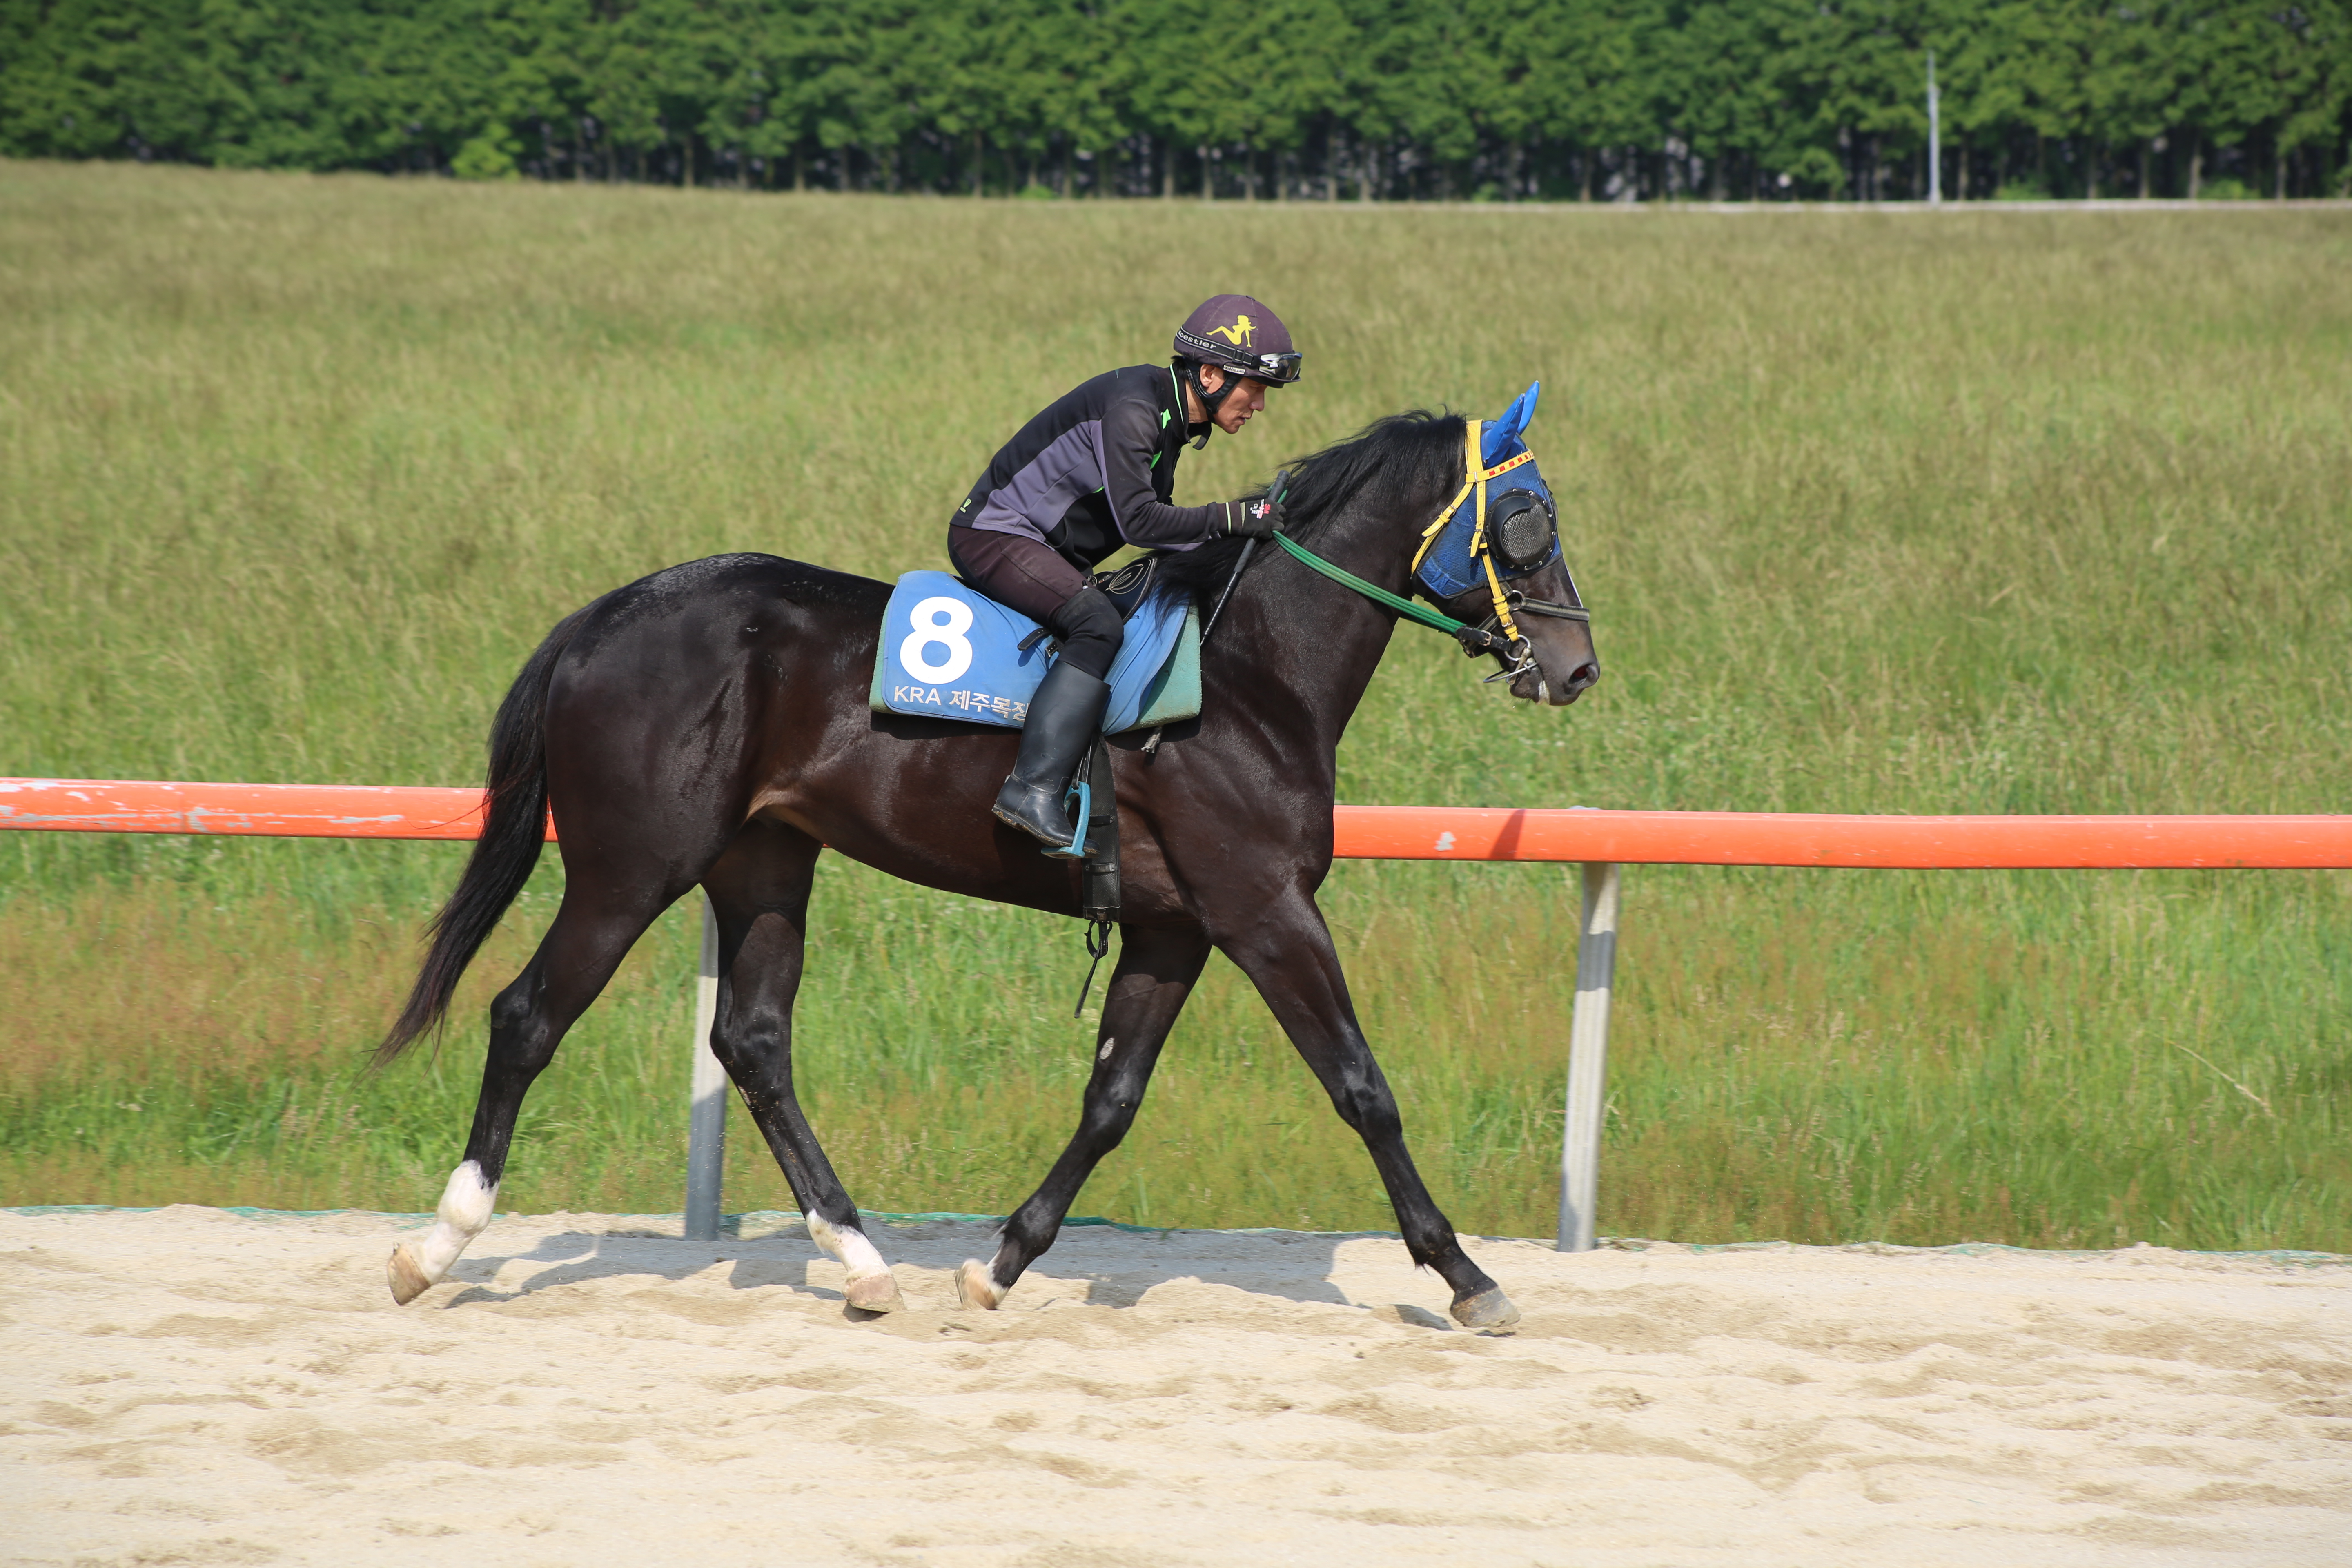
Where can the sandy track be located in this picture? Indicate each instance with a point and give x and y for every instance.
(191, 1386)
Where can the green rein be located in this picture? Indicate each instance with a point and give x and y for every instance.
(1472, 638)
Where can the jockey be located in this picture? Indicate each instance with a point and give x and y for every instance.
(1091, 473)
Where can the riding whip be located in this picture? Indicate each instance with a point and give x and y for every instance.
(1240, 564)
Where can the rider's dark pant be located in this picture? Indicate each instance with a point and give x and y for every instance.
(1030, 577)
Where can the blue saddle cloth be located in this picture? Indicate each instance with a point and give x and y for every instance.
(949, 652)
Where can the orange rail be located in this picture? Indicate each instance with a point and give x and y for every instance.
(1796, 839)
(1362, 832)
(277, 811)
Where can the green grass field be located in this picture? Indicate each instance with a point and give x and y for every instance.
(1968, 511)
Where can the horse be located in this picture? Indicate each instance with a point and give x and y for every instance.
(709, 724)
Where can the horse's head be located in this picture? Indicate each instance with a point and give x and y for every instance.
(1493, 558)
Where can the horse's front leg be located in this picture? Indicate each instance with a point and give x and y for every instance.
(1286, 951)
(1155, 974)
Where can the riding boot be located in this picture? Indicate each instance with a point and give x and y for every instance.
(1064, 717)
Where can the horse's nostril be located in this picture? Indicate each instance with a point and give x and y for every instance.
(1584, 675)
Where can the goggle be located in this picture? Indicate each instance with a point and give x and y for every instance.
(1276, 369)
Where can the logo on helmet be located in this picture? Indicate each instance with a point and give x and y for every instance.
(1238, 334)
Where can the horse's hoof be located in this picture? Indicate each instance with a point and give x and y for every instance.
(405, 1277)
(875, 1293)
(976, 1286)
(1490, 1309)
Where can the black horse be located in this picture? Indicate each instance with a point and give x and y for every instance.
(709, 724)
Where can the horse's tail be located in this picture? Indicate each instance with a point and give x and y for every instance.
(513, 833)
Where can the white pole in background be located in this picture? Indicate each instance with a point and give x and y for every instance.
(1588, 1058)
(705, 1139)
(1935, 139)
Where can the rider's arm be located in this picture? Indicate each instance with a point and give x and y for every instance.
(1131, 436)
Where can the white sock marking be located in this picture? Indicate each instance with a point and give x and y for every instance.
(850, 1245)
(467, 1205)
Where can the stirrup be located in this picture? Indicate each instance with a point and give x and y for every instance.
(1076, 849)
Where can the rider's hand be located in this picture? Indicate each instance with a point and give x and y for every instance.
(1259, 518)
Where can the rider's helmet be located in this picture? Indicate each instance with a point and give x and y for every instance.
(1235, 333)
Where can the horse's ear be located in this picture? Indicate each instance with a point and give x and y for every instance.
(1503, 434)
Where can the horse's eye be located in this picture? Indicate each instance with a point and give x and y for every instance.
(1523, 531)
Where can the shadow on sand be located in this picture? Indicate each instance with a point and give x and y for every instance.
(1105, 1265)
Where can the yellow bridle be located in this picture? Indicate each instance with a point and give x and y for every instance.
(1475, 475)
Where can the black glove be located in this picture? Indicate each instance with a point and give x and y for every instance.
(1259, 518)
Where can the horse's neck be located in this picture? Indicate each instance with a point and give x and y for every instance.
(1315, 643)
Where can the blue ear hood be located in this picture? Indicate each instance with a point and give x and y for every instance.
(1502, 437)
(1448, 568)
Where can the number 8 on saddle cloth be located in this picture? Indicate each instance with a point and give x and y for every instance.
(949, 652)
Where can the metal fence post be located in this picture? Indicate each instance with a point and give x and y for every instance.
(1935, 138)
(1588, 1058)
(706, 1145)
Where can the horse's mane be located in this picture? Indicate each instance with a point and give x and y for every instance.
(1404, 453)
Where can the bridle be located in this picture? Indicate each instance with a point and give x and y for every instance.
(1499, 632)
(1475, 478)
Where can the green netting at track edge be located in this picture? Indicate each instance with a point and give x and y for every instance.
(732, 1225)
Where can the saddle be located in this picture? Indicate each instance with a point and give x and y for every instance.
(1128, 587)
(949, 651)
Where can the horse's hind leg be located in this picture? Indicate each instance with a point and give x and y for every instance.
(1156, 972)
(760, 890)
(590, 934)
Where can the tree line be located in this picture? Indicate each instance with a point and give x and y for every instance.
(1284, 100)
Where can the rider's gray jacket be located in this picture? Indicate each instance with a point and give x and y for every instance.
(1095, 470)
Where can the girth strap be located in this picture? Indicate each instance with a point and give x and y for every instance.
(1098, 889)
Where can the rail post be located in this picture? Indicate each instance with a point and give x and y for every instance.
(1588, 1057)
(705, 1138)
